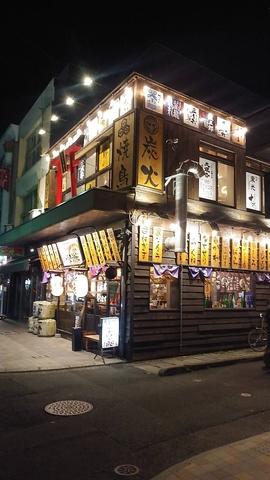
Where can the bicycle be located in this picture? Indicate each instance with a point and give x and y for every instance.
(257, 337)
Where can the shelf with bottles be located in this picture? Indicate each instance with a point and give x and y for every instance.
(233, 301)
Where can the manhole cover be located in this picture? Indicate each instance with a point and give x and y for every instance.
(67, 408)
(126, 470)
(246, 394)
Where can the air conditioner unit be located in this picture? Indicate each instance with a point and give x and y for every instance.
(34, 213)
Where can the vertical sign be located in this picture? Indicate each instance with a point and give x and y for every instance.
(43, 265)
(56, 254)
(253, 255)
(182, 258)
(113, 245)
(53, 259)
(123, 152)
(215, 251)
(92, 249)
(262, 257)
(157, 244)
(150, 162)
(244, 253)
(253, 191)
(98, 248)
(268, 256)
(207, 183)
(204, 250)
(144, 243)
(193, 249)
(86, 251)
(48, 258)
(105, 245)
(225, 253)
(236, 253)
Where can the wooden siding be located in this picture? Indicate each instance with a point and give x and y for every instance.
(158, 333)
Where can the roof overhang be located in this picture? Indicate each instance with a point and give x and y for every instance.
(93, 207)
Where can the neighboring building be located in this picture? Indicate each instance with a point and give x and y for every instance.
(109, 219)
(8, 150)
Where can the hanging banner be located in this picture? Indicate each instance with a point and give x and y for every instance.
(204, 250)
(41, 259)
(253, 255)
(56, 254)
(123, 152)
(92, 249)
(262, 257)
(225, 253)
(113, 244)
(236, 253)
(157, 244)
(53, 259)
(86, 252)
(105, 245)
(253, 191)
(48, 258)
(193, 249)
(144, 243)
(215, 251)
(98, 248)
(244, 253)
(150, 161)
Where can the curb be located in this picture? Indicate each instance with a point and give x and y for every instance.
(165, 372)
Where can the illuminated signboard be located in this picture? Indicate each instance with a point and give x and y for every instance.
(70, 252)
(110, 332)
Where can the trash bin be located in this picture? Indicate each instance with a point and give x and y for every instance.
(76, 339)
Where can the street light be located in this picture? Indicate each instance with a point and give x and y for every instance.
(69, 101)
(87, 81)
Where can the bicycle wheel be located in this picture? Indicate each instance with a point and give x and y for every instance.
(257, 339)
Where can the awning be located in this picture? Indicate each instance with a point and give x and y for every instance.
(98, 205)
(18, 265)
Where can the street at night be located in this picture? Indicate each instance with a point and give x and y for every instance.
(138, 418)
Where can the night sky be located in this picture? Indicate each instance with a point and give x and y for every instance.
(35, 46)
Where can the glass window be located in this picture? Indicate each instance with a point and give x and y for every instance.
(164, 292)
(103, 180)
(229, 290)
(218, 182)
(90, 164)
(253, 191)
(225, 184)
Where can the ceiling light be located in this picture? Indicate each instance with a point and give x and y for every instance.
(54, 118)
(41, 131)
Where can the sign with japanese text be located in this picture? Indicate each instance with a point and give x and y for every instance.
(215, 251)
(193, 249)
(182, 258)
(48, 257)
(144, 239)
(244, 253)
(253, 255)
(236, 253)
(123, 152)
(42, 260)
(150, 162)
(105, 245)
(173, 107)
(153, 99)
(104, 158)
(53, 259)
(253, 191)
(223, 128)
(56, 254)
(207, 183)
(262, 257)
(109, 332)
(191, 115)
(92, 249)
(204, 250)
(207, 121)
(225, 253)
(86, 251)
(238, 134)
(98, 248)
(157, 244)
(113, 245)
(268, 257)
(70, 252)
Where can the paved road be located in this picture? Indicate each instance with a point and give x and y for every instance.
(139, 418)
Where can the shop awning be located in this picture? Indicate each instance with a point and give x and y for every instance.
(18, 265)
(96, 206)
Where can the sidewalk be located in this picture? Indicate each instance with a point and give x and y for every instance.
(245, 460)
(21, 351)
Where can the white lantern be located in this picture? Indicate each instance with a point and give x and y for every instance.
(81, 286)
(57, 285)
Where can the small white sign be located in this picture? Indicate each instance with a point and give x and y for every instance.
(110, 332)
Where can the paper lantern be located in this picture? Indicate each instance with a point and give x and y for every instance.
(81, 286)
(57, 285)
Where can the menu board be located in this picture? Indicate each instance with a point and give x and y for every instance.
(109, 332)
(70, 252)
